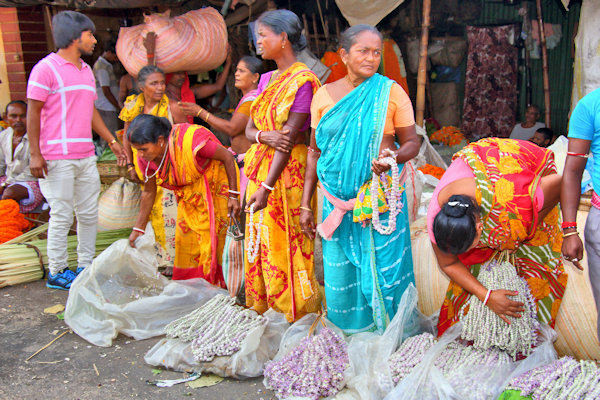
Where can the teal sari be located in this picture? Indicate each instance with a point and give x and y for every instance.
(365, 272)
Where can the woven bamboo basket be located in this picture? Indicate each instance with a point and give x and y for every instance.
(576, 319)
(109, 171)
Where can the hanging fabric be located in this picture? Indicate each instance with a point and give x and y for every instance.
(491, 82)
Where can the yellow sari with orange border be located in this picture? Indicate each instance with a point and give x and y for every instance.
(282, 276)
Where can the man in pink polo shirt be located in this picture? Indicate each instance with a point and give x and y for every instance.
(60, 117)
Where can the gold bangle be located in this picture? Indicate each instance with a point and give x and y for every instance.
(570, 234)
(130, 169)
(207, 116)
(113, 142)
(198, 114)
(306, 209)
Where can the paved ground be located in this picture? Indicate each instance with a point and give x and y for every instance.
(65, 370)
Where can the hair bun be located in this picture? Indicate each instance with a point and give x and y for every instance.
(455, 209)
(457, 206)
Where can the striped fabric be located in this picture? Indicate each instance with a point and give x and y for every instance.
(233, 265)
(195, 41)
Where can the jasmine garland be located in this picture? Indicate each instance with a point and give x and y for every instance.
(486, 329)
(218, 328)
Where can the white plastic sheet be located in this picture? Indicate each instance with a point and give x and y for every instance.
(122, 292)
(259, 346)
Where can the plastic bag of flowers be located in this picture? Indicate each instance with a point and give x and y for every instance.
(311, 361)
(565, 378)
(450, 369)
(237, 346)
(369, 376)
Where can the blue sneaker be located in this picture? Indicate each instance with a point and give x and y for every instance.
(62, 280)
(79, 270)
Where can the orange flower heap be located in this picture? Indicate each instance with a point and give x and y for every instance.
(448, 135)
(13, 222)
(432, 170)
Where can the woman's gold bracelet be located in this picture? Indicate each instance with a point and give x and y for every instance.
(207, 116)
(199, 111)
(306, 209)
(570, 234)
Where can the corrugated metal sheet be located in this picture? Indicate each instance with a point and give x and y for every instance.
(560, 60)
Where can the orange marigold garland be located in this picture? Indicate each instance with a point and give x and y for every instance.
(13, 222)
(432, 170)
(448, 135)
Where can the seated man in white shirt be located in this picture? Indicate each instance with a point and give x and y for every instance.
(526, 129)
(16, 181)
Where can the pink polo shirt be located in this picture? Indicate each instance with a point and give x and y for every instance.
(68, 94)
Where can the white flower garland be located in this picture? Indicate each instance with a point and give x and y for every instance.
(486, 329)
(253, 243)
(392, 195)
(449, 361)
(218, 328)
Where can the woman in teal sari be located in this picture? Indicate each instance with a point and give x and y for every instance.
(357, 121)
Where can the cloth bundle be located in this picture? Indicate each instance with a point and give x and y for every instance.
(195, 41)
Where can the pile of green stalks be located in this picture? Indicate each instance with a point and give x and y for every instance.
(24, 259)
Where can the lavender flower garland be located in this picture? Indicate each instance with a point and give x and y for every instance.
(565, 378)
(313, 369)
(218, 328)
(486, 329)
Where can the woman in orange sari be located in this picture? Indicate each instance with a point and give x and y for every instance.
(279, 258)
(189, 160)
(499, 195)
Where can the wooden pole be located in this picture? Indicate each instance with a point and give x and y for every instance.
(538, 4)
(323, 22)
(306, 31)
(422, 73)
(316, 35)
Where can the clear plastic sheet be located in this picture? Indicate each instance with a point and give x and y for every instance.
(122, 292)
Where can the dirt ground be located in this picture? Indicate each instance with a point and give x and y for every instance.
(65, 370)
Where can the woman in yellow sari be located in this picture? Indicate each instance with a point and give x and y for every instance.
(190, 161)
(153, 100)
(279, 258)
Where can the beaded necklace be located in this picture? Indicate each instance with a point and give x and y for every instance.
(146, 177)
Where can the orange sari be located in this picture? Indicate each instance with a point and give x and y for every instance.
(201, 187)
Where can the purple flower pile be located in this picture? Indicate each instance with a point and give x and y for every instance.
(313, 369)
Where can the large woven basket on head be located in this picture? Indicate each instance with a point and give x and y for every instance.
(195, 41)
(575, 322)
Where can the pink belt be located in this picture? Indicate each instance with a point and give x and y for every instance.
(596, 200)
